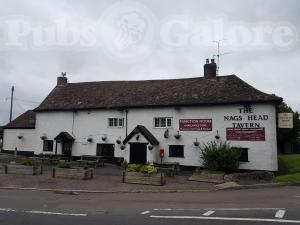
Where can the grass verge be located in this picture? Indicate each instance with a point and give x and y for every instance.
(291, 162)
(295, 177)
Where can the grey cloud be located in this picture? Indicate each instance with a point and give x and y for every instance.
(34, 71)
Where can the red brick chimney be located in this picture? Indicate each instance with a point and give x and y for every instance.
(210, 69)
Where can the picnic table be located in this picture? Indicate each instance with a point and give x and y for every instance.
(91, 160)
(51, 158)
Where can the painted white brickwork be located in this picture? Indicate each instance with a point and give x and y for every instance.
(94, 123)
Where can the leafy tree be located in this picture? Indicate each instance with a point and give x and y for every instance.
(288, 135)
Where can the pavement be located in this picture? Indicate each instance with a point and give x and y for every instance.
(259, 206)
(106, 179)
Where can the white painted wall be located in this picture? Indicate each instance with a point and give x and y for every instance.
(262, 154)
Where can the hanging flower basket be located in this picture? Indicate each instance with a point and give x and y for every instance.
(177, 136)
(44, 137)
(104, 138)
(118, 141)
(166, 134)
(196, 143)
(217, 135)
(20, 137)
(90, 140)
(122, 147)
(150, 147)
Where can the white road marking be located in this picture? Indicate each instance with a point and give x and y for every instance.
(55, 213)
(216, 209)
(145, 212)
(7, 210)
(242, 209)
(208, 213)
(178, 209)
(227, 218)
(280, 213)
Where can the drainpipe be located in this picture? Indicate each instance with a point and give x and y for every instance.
(126, 119)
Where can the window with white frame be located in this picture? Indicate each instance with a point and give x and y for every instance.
(161, 122)
(116, 122)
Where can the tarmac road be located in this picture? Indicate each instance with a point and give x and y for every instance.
(258, 206)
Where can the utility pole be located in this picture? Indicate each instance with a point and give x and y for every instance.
(219, 54)
(11, 103)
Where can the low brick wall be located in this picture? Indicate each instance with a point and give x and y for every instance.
(23, 170)
(256, 175)
(141, 178)
(210, 177)
(73, 173)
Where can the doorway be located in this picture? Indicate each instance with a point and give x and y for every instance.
(138, 153)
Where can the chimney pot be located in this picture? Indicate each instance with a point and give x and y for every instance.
(212, 60)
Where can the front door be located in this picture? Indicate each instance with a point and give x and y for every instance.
(67, 148)
(138, 153)
(106, 150)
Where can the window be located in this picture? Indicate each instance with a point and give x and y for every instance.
(176, 151)
(106, 150)
(116, 122)
(48, 146)
(162, 122)
(243, 155)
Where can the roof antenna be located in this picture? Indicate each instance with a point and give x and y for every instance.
(219, 54)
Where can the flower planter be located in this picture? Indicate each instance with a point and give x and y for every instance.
(142, 178)
(23, 170)
(73, 173)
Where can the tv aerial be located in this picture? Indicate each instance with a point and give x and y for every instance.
(219, 54)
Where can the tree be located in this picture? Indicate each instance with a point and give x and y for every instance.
(288, 135)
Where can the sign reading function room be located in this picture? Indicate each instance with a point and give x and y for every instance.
(151, 120)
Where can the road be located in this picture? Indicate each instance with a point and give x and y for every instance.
(263, 206)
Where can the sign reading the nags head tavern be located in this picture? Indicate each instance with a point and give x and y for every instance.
(195, 124)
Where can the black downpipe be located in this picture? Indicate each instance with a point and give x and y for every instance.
(126, 119)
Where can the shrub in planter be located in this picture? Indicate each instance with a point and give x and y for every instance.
(63, 164)
(64, 170)
(26, 167)
(143, 174)
(220, 156)
(148, 169)
(30, 162)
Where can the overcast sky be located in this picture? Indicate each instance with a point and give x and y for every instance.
(150, 39)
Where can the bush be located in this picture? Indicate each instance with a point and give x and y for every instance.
(30, 162)
(220, 156)
(148, 168)
(63, 164)
(133, 167)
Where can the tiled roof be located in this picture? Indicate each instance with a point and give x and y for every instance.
(24, 121)
(153, 93)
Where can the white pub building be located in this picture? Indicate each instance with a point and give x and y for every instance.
(140, 121)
